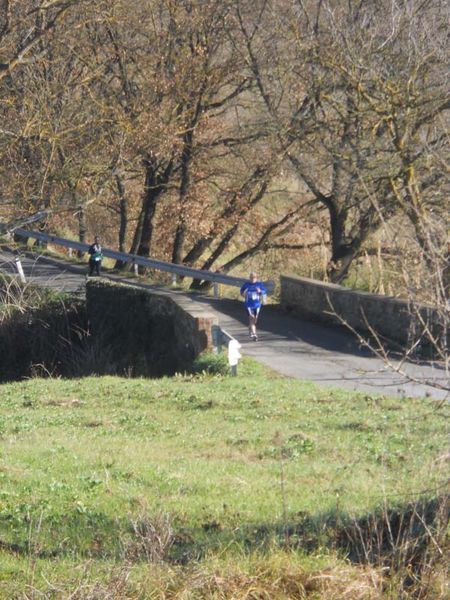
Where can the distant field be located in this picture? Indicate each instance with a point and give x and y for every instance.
(228, 465)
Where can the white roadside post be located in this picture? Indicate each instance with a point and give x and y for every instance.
(234, 355)
(20, 269)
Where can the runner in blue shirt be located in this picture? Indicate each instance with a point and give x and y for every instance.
(253, 292)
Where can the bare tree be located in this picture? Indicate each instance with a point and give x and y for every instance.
(356, 96)
(50, 133)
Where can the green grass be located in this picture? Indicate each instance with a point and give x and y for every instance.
(230, 460)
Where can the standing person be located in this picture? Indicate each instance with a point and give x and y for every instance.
(253, 292)
(95, 257)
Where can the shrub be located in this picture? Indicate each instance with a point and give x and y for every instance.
(211, 363)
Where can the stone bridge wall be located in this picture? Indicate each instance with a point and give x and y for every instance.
(392, 319)
(146, 332)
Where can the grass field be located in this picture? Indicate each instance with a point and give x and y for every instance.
(104, 474)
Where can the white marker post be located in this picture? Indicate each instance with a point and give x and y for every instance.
(20, 269)
(234, 355)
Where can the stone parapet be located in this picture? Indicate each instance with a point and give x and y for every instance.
(392, 319)
(147, 332)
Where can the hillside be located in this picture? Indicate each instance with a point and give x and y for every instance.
(221, 485)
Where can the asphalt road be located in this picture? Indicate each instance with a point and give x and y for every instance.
(293, 347)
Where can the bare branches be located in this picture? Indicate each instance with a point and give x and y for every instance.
(339, 104)
(29, 40)
(5, 18)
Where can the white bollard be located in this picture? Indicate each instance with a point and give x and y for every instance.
(234, 355)
(20, 269)
(174, 279)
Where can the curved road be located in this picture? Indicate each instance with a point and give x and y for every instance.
(301, 349)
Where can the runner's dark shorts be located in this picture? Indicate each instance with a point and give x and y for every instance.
(253, 310)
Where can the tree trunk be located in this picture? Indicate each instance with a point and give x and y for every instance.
(123, 206)
(137, 233)
(155, 184)
(344, 251)
(148, 208)
(341, 255)
(223, 244)
(82, 227)
(180, 234)
(123, 225)
(446, 273)
(339, 264)
(178, 243)
(197, 250)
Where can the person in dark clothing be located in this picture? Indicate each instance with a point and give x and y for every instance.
(95, 257)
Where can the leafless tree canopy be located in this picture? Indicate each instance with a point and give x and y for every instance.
(210, 131)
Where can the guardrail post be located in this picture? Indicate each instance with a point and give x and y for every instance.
(217, 338)
(20, 269)
(174, 279)
(216, 289)
(41, 243)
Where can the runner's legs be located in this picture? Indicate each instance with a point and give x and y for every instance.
(252, 319)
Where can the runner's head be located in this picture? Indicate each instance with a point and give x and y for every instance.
(253, 276)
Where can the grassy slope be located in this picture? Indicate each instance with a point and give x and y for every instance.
(80, 459)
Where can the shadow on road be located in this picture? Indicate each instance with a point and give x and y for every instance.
(281, 326)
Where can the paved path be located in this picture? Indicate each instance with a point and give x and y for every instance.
(301, 349)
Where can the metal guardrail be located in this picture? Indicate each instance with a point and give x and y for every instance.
(134, 259)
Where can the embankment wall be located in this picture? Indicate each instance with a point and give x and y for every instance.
(148, 333)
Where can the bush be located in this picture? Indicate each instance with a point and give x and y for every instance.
(211, 363)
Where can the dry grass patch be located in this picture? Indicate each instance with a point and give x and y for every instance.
(279, 577)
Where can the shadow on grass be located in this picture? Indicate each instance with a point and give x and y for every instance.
(395, 537)
(129, 334)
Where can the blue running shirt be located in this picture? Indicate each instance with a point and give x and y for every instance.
(252, 295)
